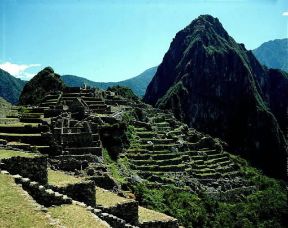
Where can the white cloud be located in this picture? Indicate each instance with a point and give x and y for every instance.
(19, 70)
(285, 13)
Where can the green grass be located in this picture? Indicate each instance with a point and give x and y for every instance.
(61, 179)
(16, 209)
(113, 167)
(76, 216)
(13, 153)
(19, 124)
(146, 215)
(108, 199)
(19, 135)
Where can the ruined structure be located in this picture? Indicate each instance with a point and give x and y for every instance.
(71, 133)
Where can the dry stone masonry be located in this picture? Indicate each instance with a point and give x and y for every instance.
(77, 127)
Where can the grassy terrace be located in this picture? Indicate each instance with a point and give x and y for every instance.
(16, 135)
(13, 153)
(19, 124)
(61, 179)
(76, 216)
(146, 215)
(108, 199)
(16, 209)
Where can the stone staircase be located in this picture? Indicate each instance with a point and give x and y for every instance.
(167, 152)
(76, 137)
(27, 131)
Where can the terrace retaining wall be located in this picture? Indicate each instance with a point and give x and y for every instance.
(32, 168)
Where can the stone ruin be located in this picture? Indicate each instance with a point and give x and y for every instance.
(69, 131)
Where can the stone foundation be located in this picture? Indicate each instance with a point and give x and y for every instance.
(33, 168)
(84, 192)
(127, 211)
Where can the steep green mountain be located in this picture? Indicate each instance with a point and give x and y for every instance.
(215, 85)
(10, 87)
(273, 54)
(44, 82)
(138, 84)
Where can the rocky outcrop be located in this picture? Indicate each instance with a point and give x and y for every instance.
(44, 82)
(215, 85)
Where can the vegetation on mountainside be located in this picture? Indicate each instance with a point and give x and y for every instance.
(218, 87)
(123, 91)
(273, 54)
(138, 84)
(266, 207)
(44, 82)
(10, 87)
(5, 108)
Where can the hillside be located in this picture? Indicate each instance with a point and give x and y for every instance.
(138, 83)
(273, 54)
(10, 87)
(44, 82)
(216, 86)
(112, 161)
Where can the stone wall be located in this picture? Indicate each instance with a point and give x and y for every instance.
(104, 181)
(160, 224)
(127, 211)
(72, 162)
(84, 192)
(40, 194)
(33, 168)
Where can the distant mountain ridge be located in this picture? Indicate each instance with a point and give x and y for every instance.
(40, 85)
(138, 84)
(216, 86)
(273, 54)
(10, 87)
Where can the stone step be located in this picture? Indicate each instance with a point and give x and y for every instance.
(216, 160)
(138, 156)
(162, 124)
(22, 129)
(156, 141)
(94, 102)
(166, 168)
(174, 161)
(97, 106)
(84, 150)
(146, 134)
(140, 129)
(157, 147)
(30, 120)
(95, 99)
(207, 175)
(203, 171)
(33, 139)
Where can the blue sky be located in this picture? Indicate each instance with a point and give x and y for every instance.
(115, 40)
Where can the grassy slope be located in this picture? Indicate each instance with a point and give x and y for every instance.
(107, 199)
(13, 153)
(16, 209)
(59, 178)
(76, 216)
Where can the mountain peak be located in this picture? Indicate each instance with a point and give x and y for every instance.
(206, 25)
(215, 85)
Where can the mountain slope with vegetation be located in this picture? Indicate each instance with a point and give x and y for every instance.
(273, 54)
(138, 84)
(216, 86)
(10, 87)
(44, 82)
